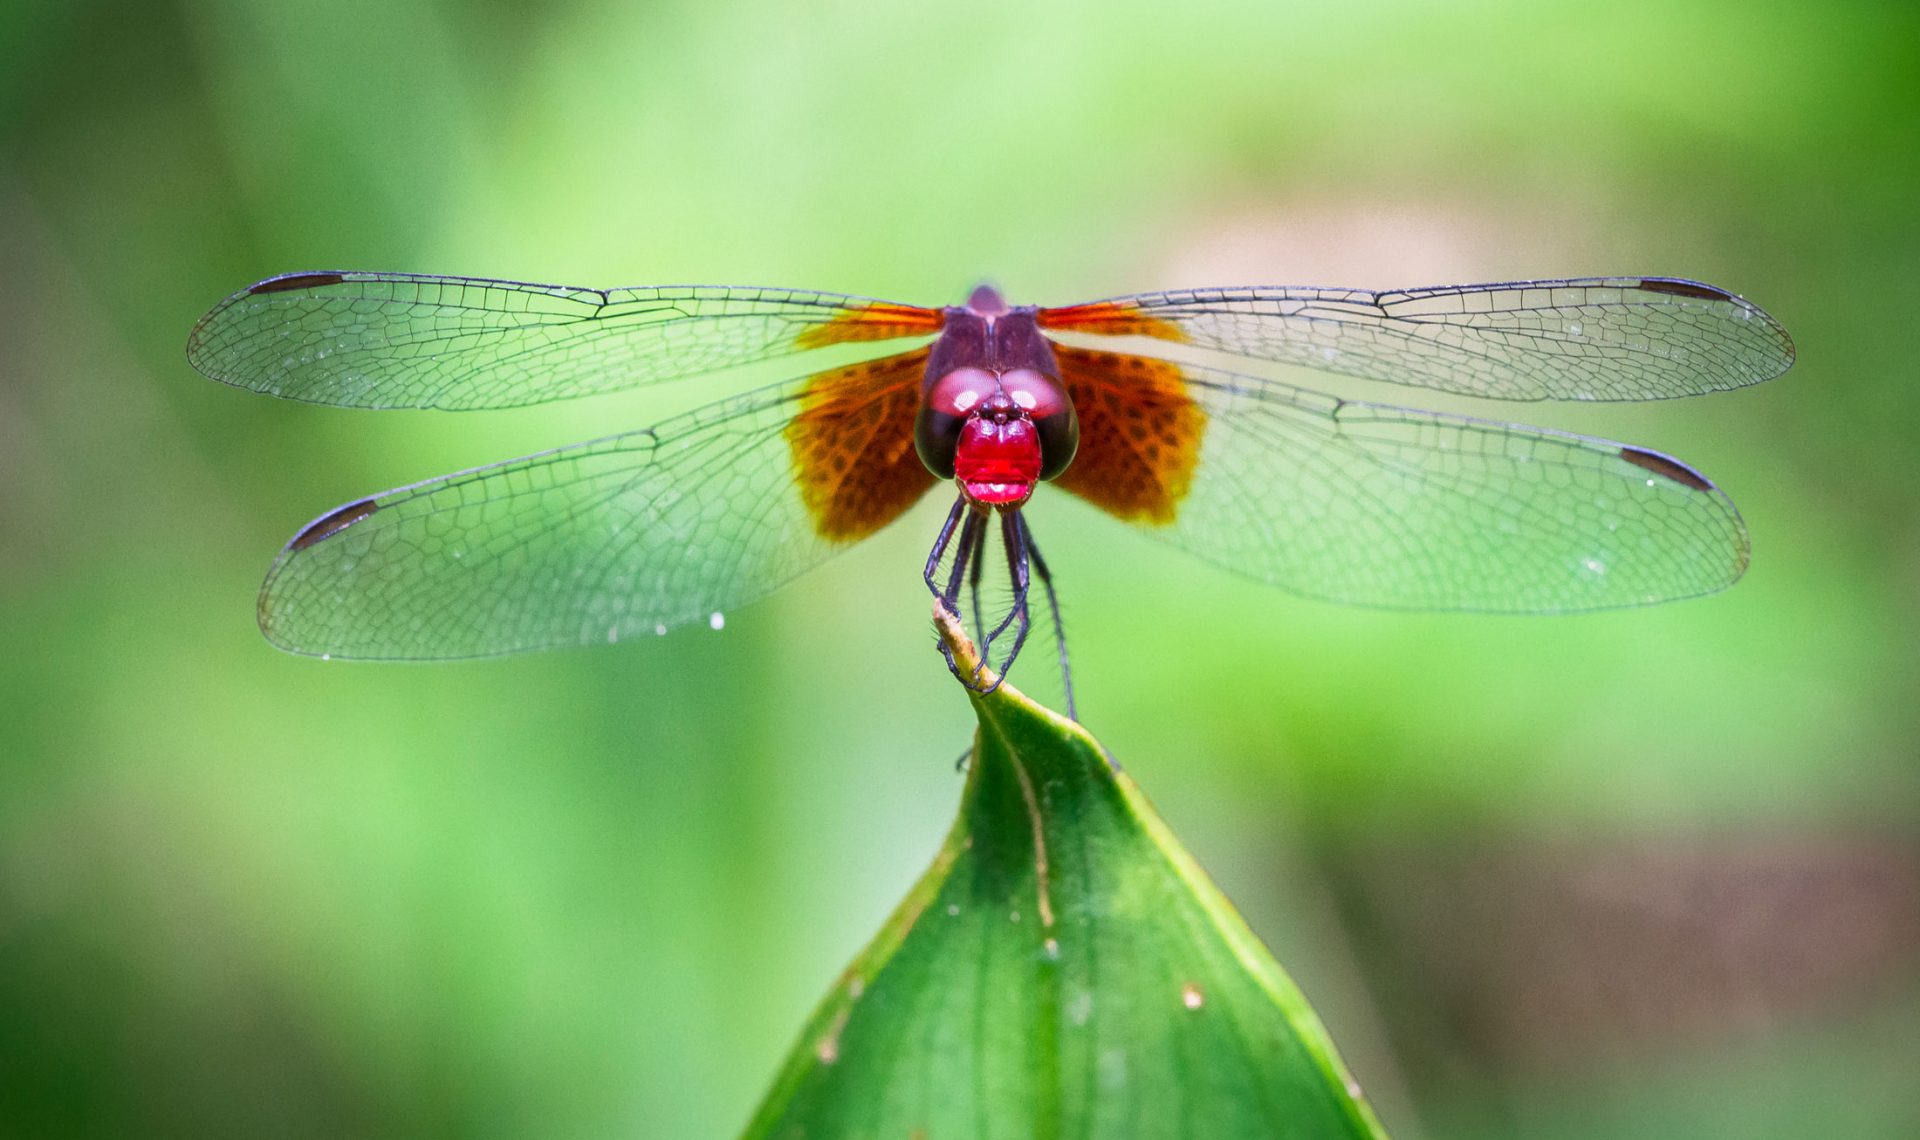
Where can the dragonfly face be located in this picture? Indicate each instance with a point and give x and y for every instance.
(994, 414)
(644, 531)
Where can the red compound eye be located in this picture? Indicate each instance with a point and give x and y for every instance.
(948, 404)
(961, 391)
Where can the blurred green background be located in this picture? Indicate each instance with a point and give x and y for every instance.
(1650, 873)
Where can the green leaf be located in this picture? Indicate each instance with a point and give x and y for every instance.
(1064, 969)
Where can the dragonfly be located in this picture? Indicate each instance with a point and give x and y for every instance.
(1331, 498)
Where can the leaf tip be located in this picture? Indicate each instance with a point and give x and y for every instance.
(954, 637)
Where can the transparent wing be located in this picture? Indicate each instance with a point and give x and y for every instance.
(630, 535)
(1385, 506)
(391, 340)
(1598, 338)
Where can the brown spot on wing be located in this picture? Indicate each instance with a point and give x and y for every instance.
(1680, 288)
(873, 320)
(852, 444)
(1110, 318)
(289, 282)
(1666, 467)
(332, 523)
(1139, 433)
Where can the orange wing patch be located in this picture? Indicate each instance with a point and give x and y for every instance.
(875, 320)
(1139, 433)
(1110, 318)
(852, 444)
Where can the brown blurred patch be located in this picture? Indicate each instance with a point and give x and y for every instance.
(1535, 956)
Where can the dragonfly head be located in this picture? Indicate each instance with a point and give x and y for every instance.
(996, 434)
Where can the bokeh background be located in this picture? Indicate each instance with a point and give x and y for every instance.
(1649, 873)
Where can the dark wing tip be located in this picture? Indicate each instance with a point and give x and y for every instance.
(332, 523)
(208, 325)
(291, 282)
(1666, 467)
(1700, 291)
(315, 532)
(1681, 287)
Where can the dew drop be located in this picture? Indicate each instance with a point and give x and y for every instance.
(613, 634)
(660, 628)
(1575, 328)
(953, 910)
(326, 657)
(718, 620)
(1191, 997)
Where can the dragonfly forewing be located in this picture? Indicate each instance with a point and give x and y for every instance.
(390, 340)
(1596, 338)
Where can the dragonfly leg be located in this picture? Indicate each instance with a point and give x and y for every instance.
(1014, 537)
(979, 615)
(940, 544)
(1053, 605)
(964, 551)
